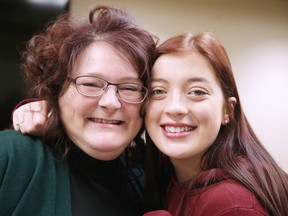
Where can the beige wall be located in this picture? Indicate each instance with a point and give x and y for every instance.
(255, 34)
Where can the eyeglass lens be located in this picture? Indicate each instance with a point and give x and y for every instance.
(94, 86)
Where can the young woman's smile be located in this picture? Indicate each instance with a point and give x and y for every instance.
(177, 130)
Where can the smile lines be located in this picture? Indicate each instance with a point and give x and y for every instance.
(173, 129)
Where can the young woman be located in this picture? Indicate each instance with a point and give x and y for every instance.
(208, 160)
(93, 76)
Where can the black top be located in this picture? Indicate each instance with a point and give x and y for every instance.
(102, 187)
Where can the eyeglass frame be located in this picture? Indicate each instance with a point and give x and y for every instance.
(73, 80)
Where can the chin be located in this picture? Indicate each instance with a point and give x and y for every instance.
(107, 147)
(176, 155)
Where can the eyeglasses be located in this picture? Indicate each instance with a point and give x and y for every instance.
(94, 86)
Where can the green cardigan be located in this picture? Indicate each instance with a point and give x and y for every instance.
(31, 181)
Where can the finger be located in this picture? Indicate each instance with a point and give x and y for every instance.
(40, 107)
(22, 117)
(38, 123)
(34, 122)
(27, 123)
(30, 118)
(18, 118)
(30, 125)
(45, 109)
(23, 125)
(36, 106)
(16, 125)
(22, 113)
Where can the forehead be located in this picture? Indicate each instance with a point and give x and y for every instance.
(101, 59)
(182, 64)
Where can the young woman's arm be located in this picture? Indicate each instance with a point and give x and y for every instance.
(29, 116)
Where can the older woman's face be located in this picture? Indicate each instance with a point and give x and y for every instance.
(101, 126)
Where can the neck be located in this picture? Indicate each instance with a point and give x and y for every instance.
(186, 169)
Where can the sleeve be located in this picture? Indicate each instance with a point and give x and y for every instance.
(20, 160)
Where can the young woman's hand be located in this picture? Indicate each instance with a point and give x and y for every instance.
(30, 117)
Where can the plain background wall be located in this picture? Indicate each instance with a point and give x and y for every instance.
(255, 34)
(19, 21)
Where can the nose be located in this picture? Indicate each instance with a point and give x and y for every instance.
(177, 105)
(110, 99)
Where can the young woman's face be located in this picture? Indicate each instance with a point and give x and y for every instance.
(101, 126)
(186, 108)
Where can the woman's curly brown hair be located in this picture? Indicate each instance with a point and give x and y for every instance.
(50, 56)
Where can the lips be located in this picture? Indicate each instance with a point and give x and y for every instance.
(174, 129)
(105, 121)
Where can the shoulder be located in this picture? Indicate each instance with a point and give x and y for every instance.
(25, 157)
(228, 197)
(14, 141)
(29, 172)
(15, 136)
(21, 152)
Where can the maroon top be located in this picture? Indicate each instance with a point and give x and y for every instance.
(223, 196)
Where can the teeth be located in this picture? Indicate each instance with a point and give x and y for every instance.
(172, 129)
(106, 121)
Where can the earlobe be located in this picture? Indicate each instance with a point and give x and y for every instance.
(226, 119)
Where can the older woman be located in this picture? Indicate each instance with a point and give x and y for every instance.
(93, 77)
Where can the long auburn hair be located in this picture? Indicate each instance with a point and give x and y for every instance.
(235, 141)
(51, 54)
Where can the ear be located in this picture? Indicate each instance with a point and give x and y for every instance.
(229, 110)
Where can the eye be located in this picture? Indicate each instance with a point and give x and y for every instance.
(91, 84)
(198, 92)
(157, 93)
(129, 87)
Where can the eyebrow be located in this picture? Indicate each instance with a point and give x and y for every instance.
(159, 80)
(122, 80)
(198, 79)
(193, 79)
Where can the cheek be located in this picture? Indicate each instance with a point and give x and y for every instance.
(133, 110)
(210, 112)
(72, 104)
(148, 113)
(210, 118)
(152, 113)
(134, 113)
